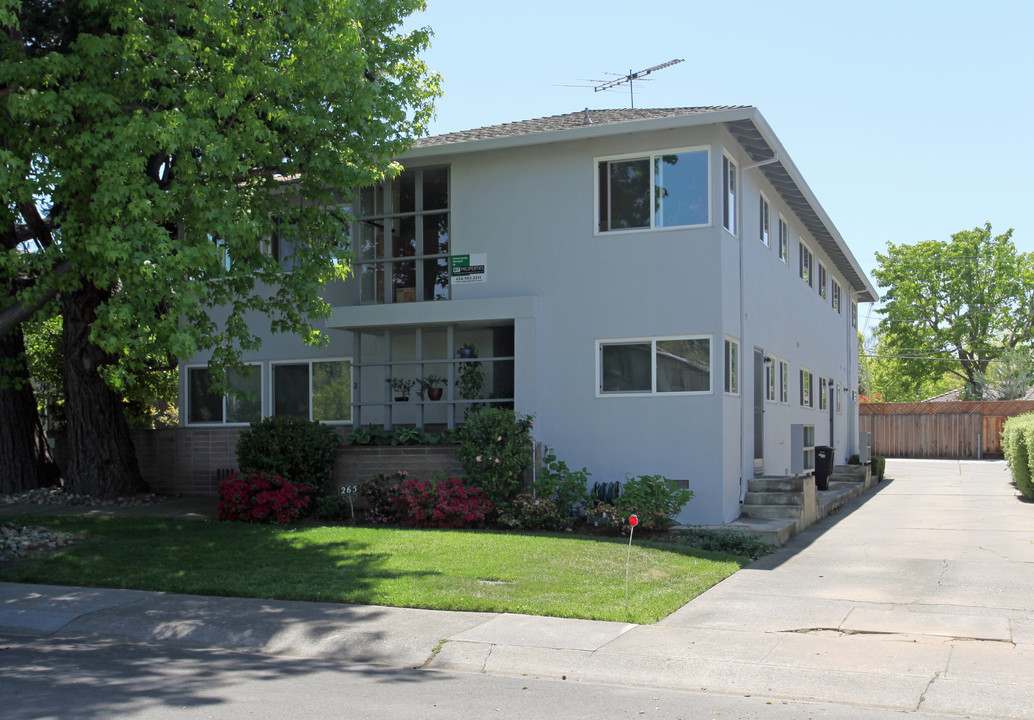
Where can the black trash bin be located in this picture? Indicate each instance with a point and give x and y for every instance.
(823, 466)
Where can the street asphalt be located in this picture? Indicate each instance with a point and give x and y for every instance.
(915, 597)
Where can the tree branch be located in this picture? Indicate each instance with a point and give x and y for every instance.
(19, 312)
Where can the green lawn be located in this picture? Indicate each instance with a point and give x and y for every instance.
(537, 574)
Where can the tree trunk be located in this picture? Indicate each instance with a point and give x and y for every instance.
(101, 456)
(25, 460)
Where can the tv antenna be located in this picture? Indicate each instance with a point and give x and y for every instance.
(632, 76)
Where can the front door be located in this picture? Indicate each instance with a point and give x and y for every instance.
(759, 411)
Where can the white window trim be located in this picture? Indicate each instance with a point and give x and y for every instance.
(731, 226)
(600, 342)
(784, 251)
(836, 296)
(784, 381)
(765, 222)
(268, 409)
(731, 366)
(824, 382)
(648, 155)
(811, 387)
(186, 404)
(823, 279)
(771, 372)
(802, 248)
(840, 405)
(854, 314)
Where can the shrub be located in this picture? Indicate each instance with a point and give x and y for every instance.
(495, 449)
(446, 503)
(527, 512)
(724, 541)
(1017, 443)
(261, 497)
(382, 492)
(568, 489)
(654, 499)
(879, 466)
(298, 450)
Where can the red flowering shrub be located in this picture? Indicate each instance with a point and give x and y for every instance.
(261, 497)
(444, 503)
(382, 495)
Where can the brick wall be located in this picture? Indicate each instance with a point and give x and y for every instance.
(355, 464)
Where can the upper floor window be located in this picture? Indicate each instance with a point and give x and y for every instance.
(836, 295)
(807, 388)
(402, 248)
(806, 260)
(650, 366)
(854, 314)
(766, 223)
(823, 282)
(654, 191)
(729, 194)
(784, 241)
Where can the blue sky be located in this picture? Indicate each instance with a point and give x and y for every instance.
(910, 120)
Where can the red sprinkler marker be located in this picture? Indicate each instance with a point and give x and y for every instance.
(632, 521)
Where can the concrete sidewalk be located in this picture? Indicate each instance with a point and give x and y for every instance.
(917, 598)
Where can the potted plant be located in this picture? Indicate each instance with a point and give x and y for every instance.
(402, 387)
(468, 351)
(432, 386)
(471, 378)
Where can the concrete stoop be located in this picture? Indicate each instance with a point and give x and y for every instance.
(776, 508)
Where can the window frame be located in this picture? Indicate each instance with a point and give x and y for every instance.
(309, 362)
(824, 383)
(765, 221)
(806, 378)
(188, 406)
(784, 381)
(854, 314)
(805, 263)
(784, 240)
(653, 340)
(823, 280)
(839, 404)
(731, 366)
(729, 193)
(771, 383)
(836, 293)
(651, 157)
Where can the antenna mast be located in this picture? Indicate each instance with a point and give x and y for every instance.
(634, 76)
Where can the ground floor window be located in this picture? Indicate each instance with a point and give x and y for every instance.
(647, 366)
(732, 363)
(770, 378)
(784, 381)
(824, 394)
(243, 405)
(318, 390)
(807, 388)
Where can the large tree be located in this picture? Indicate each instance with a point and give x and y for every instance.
(153, 152)
(953, 307)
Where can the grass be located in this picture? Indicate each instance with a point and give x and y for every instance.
(536, 574)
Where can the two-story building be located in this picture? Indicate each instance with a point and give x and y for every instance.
(658, 287)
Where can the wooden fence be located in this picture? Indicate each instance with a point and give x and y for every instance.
(939, 429)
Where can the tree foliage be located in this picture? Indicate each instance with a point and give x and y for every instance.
(952, 307)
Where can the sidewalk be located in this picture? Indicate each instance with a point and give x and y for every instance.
(917, 597)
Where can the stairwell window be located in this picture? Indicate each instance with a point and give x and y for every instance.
(663, 190)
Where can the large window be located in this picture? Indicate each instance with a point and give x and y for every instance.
(732, 364)
(729, 194)
(784, 241)
(655, 365)
(314, 390)
(655, 191)
(204, 405)
(402, 249)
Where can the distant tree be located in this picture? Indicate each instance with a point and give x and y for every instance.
(887, 377)
(1007, 378)
(161, 158)
(953, 307)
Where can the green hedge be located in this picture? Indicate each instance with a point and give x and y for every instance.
(1018, 444)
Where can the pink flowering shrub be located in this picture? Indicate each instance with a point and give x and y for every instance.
(446, 503)
(261, 497)
(382, 497)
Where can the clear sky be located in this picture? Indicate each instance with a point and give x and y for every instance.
(910, 120)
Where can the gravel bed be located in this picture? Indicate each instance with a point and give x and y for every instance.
(20, 541)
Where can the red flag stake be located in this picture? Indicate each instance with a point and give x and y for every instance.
(632, 521)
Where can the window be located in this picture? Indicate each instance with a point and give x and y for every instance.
(854, 314)
(823, 394)
(655, 365)
(836, 295)
(822, 281)
(283, 248)
(784, 381)
(784, 241)
(770, 378)
(729, 194)
(732, 364)
(314, 390)
(206, 406)
(766, 223)
(668, 190)
(805, 258)
(402, 249)
(840, 407)
(807, 388)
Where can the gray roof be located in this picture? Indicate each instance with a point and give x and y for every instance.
(580, 119)
(743, 122)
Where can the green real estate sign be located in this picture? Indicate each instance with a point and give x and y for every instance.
(465, 269)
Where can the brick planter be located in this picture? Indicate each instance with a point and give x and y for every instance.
(356, 463)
